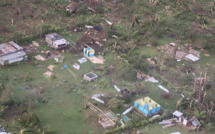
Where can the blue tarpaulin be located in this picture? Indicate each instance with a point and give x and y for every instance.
(65, 66)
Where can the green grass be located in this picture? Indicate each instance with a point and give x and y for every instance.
(157, 128)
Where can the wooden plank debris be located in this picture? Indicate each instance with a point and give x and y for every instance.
(39, 57)
(127, 111)
(50, 67)
(175, 133)
(169, 125)
(165, 122)
(163, 88)
(117, 88)
(96, 97)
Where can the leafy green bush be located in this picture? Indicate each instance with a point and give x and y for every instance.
(29, 120)
(115, 103)
(103, 83)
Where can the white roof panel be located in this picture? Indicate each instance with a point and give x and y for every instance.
(177, 113)
(60, 42)
(192, 57)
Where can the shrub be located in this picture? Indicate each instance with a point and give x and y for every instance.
(28, 120)
(115, 103)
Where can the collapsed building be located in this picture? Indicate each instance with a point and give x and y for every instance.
(11, 52)
(93, 38)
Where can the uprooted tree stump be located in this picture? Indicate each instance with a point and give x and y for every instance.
(166, 95)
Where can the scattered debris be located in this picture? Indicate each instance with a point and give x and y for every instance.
(90, 76)
(114, 36)
(95, 60)
(35, 43)
(107, 119)
(176, 133)
(98, 28)
(117, 88)
(76, 66)
(180, 55)
(194, 52)
(152, 60)
(163, 88)
(125, 118)
(90, 39)
(182, 95)
(165, 122)
(151, 79)
(48, 55)
(109, 22)
(195, 122)
(74, 75)
(50, 67)
(127, 111)
(169, 125)
(192, 57)
(47, 74)
(82, 60)
(177, 114)
(61, 59)
(39, 57)
(91, 9)
(71, 8)
(96, 97)
(100, 68)
(122, 123)
(88, 26)
(140, 75)
(155, 116)
(172, 44)
(126, 92)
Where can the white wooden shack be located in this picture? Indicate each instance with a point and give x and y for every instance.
(56, 41)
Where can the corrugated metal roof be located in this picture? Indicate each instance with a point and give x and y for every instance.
(13, 55)
(10, 47)
(54, 36)
(61, 41)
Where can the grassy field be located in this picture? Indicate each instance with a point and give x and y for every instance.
(59, 102)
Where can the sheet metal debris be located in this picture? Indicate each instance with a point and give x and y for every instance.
(163, 88)
(82, 60)
(192, 57)
(117, 88)
(96, 97)
(127, 111)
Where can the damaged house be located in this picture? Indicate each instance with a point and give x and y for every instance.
(147, 106)
(11, 52)
(56, 41)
